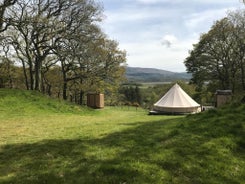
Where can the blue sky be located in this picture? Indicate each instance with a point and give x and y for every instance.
(159, 33)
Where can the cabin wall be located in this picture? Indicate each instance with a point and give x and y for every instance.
(95, 100)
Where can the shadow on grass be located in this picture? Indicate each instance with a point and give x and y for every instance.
(188, 150)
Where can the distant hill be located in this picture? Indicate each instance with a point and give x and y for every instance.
(137, 74)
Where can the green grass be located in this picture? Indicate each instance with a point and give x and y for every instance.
(15, 103)
(46, 141)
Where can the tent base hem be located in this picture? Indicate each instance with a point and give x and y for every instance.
(169, 113)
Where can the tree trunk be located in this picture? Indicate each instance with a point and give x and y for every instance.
(25, 75)
(10, 76)
(48, 90)
(81, 97)
(38, 75)
(2, 83)
(63, 70)
(32, 82)
(65, 90)
(243, 76)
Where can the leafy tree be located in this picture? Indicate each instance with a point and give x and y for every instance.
(62, 50)
(6, 67)
(131, 94)
(218, 58)
(40, 26)
(238, 20)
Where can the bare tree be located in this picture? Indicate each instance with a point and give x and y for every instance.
(5, 4)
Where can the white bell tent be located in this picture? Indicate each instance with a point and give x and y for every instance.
(176, 101)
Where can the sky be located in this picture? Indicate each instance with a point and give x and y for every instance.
(160, 33)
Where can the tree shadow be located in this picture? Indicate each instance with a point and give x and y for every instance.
(169, 151)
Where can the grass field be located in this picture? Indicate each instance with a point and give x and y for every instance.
(46, 141)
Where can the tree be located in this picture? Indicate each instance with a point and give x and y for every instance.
(132, 94)
(215, 59)
(74, 41)
(3, 6)
(39, 26)
(6, 66)
(4, 23)
(238, 20)
(62, 38)
(33, 35)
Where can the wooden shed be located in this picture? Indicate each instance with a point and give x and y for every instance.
(223, 97)
(95, 100)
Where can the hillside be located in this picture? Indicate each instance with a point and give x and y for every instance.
(136, 74)
(48, 141)
(23, 103)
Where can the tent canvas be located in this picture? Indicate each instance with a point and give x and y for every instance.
(176, 101)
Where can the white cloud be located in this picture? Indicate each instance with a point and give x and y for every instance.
(203, 20)
(132, 13)
(168, 40)
(152, 54)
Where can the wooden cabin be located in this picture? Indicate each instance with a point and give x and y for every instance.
(223, 97)
(95, 100)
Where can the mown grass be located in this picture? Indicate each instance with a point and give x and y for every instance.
(56, 142)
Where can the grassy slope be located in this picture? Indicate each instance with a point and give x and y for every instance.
(25, 103)
(45, 141)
